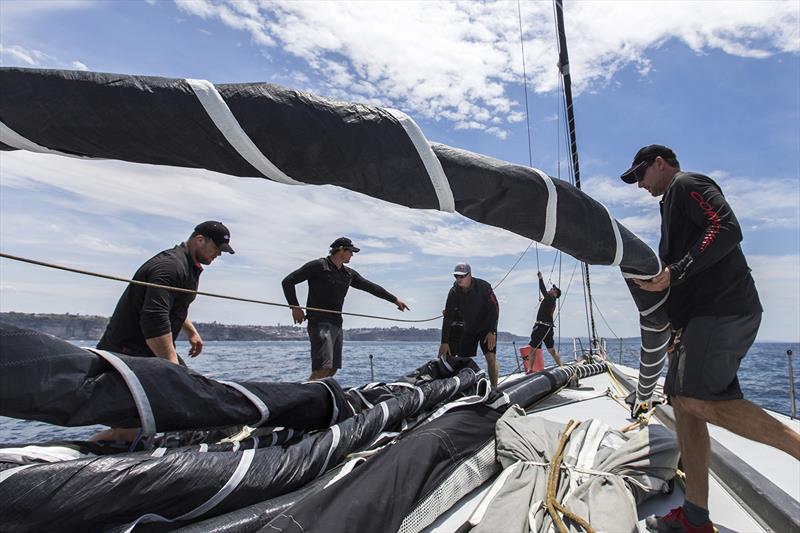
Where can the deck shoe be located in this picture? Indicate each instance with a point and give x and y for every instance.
(676, 522)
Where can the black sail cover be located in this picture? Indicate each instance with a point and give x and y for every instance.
(82, 388)
(191, 483)
(262, 130)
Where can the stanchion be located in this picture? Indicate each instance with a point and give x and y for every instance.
(371, 370)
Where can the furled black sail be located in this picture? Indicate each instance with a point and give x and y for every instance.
(262, 130)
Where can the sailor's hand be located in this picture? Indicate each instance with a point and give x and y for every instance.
(298, 315)
(539, 275)
(491, 340)
(639, 408)
(197, 345)
(444, 350)
(656, 284)
(401, 305)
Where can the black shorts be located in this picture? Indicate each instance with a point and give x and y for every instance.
(542, 332)
(326, 345)
(707, 357)
(468, 346)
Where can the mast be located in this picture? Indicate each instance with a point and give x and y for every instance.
(563, 68)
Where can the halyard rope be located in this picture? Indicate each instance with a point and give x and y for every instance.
(201, 293)
(552, 485)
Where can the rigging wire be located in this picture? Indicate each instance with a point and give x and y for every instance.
(527, 113)
(200, 293)
(513, 266)
(604, 320)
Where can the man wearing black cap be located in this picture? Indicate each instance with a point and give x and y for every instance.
(543, 328)
(147, 320)
(714, 312)
(328, 281)
(472, 301)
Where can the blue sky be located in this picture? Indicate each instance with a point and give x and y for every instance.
(717, 81)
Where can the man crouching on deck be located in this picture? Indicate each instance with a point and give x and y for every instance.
(147, 320)
(328, 280)
(714, 311)
(473, 300)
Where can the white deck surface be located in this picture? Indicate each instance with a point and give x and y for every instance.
(590, 401)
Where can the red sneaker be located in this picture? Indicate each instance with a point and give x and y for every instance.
(676, 522)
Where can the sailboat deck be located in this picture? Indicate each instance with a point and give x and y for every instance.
(591, 400)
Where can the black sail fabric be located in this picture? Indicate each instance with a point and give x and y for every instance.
(293, 137)
(428, 469)
(109, 491)
(82, 389)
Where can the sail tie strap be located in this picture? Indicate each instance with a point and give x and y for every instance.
(552, 485)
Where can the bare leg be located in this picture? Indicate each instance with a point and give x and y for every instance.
(494, 369)
(555, 355)
(321, 373)
(695, 446)
(747, 420)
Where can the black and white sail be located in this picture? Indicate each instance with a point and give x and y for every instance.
(265, 131)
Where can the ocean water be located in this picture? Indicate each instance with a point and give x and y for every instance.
(763, 374)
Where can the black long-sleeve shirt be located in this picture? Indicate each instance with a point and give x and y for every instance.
(147, 312)
(477, 307)
(327, 287)
(700, 239)
(548, 306)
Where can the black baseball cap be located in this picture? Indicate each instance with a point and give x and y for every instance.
(345, 244)
(644, 157)
(217, 232)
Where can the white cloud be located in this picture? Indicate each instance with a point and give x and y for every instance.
(18, 55)
(77, 65)
(455, 60)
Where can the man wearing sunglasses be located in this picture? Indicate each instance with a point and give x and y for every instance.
(472, 301)
(714, 312)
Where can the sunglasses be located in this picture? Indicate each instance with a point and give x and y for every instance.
(459, 276)
(640, 170)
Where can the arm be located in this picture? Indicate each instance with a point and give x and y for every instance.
(162, 347)
(706, 208)
(359, 282)
(542, 288)
(494, 308)
(194, 338)
(298, 276)
(154, 318)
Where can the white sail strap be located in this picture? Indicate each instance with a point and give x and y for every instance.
(15, 140)
(136, 389)
(233, 482)
(551, 219)
(226, 122)
(432, 164)
(255, 400)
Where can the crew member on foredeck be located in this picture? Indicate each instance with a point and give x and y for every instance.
(328, 281)
(474, 301)
(543, 328)
(147, 320)
(715, 313)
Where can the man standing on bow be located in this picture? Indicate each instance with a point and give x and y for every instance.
(328, 281)
(473, 300)
(715, 312)
(543, 328)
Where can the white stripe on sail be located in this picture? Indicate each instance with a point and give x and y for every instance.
(136, 389)
(656, 330)
(648, 365)
(617, 237)
(15, 140)
(223, 118)
(255, 400)
(432, 164)
(657, 348)
(550, 220)
(659, 304)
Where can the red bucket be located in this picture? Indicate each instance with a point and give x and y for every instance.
(532, 364)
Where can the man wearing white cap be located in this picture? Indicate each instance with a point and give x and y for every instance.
(473, 300)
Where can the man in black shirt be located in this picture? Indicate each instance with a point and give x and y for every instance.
(472, 301)
(147, 320)
(328, 280)
(543, 329)
(714, 311)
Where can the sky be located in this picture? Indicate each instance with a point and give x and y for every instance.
(719, 82)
